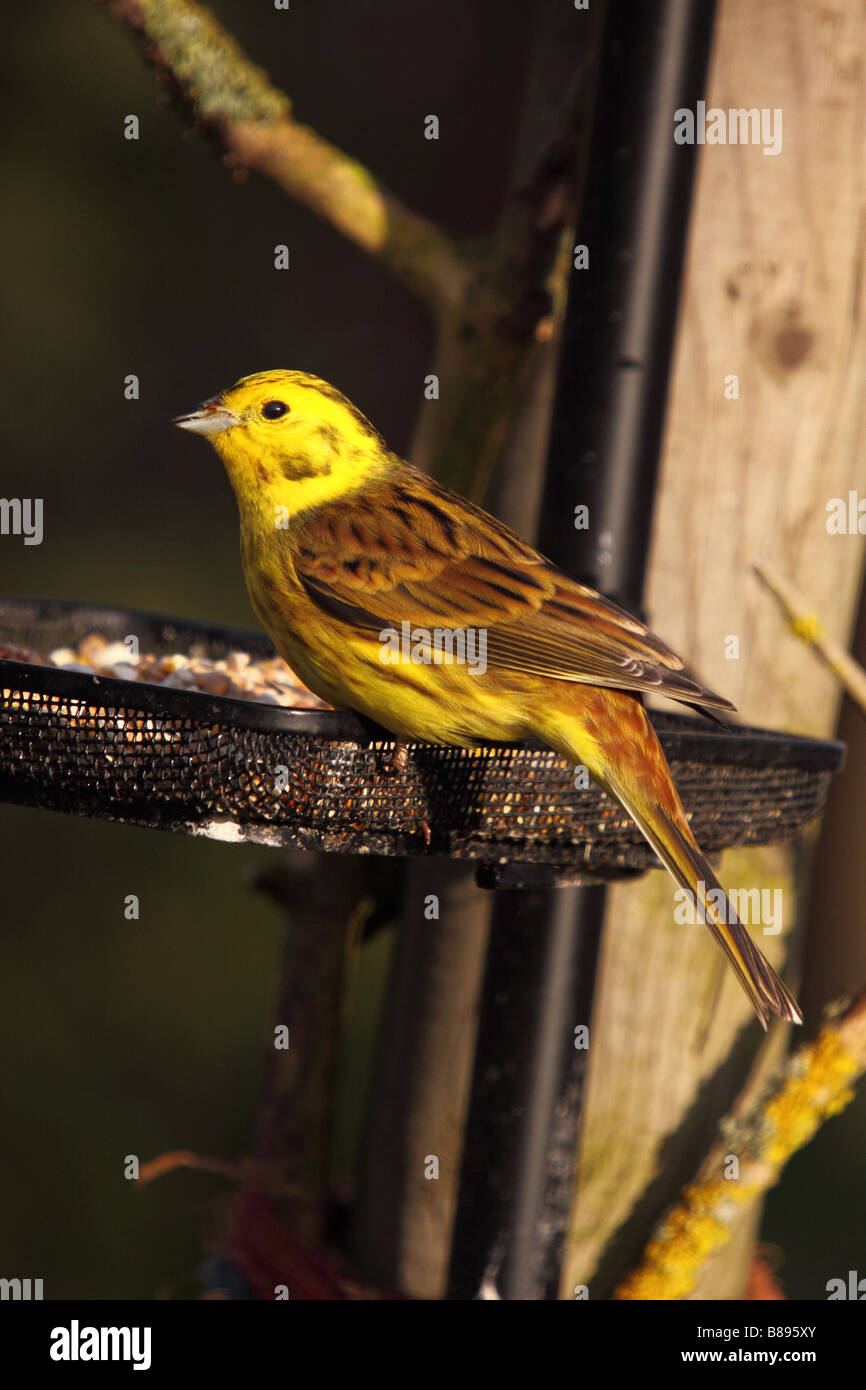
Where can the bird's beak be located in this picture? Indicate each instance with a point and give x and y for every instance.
(210, 418)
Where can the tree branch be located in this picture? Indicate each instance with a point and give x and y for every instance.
(816, 1082)
(251, 120)
(805, 625)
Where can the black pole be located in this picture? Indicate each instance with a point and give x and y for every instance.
(618, 337)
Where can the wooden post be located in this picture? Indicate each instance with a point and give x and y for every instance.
(766, 424)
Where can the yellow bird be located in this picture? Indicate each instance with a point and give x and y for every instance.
(345, 545)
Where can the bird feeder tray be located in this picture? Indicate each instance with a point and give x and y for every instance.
(246, 772)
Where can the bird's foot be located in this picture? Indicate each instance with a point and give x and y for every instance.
(398, 760)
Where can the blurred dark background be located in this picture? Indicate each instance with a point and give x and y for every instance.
(145, 257)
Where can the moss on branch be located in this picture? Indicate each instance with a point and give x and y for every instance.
(251, 119)
(815, 1083)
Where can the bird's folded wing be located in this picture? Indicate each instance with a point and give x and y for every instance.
(410, 550)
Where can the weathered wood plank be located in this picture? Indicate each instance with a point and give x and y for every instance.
(773, 296)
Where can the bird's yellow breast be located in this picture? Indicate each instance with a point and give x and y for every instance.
(344, 665)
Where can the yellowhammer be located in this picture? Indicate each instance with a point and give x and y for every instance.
(343, 543)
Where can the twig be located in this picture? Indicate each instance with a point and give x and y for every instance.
(185, 1158)
(249, 1174)
(807, 627)
(324, 916)
(490, 301)
(815, 1083)
(252, 121)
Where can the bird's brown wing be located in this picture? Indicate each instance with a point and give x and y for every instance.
(411, 550)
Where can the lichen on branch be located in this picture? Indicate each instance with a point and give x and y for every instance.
(815, 1083)
(221, 81)
(236, 102)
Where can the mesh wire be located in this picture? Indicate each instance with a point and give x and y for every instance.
(187, 762)
(498, 803)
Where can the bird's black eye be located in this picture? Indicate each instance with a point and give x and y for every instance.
(272, 410)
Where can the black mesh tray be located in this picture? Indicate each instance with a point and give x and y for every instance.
(207, 765)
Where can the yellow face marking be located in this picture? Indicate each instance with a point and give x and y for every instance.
(293, 441)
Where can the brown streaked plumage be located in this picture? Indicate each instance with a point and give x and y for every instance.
(407, 540)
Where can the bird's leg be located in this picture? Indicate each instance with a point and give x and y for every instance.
(399, 759)
(396, 763)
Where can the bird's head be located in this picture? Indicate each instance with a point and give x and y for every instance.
(290, 439)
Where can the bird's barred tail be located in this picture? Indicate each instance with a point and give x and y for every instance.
(768, 994)
(610, 732)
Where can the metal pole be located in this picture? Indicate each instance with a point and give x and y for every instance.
(521, 1138)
